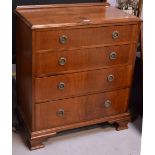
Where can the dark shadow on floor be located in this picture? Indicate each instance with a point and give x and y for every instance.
(138, 124)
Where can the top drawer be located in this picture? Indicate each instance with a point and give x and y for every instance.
(83, 37)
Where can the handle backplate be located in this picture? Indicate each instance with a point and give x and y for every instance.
(61, 85)
(62, 61)
(115, 34)
(107, 103)
(63, 39)
(110, 78)
(112, 56)
(60, 113)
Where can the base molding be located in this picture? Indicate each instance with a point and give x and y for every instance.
(35, 139)
(34, 144)
(121, 125)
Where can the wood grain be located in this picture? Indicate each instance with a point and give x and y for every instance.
(80, 109)
(39, 17)
(89, 29)
(24, 70)
(85, 59)
(82, 83)
(46, 40)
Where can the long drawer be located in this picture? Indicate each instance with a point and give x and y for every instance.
(82, 83)
(80, 109)
(75, 38)
(93, 58)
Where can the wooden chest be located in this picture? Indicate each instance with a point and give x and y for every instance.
(74, 67)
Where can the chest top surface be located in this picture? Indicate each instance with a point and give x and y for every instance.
(68, 15)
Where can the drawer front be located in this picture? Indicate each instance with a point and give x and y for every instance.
(64, 61)
(75, 38)
(80, 109)
(69, 85)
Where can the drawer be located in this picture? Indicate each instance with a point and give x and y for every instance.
(65, 61)
(83, 37)
(80, 109)
(82, 83)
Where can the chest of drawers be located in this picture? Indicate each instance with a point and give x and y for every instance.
(74, 67)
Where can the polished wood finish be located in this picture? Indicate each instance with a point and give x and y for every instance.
(47, 40)
(36, 139)
(82, 59)
(72, 15)
(89, 107)
(82, 83)
(24, 71)
(67, 76)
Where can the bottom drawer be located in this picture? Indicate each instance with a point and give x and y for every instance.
(80, 109)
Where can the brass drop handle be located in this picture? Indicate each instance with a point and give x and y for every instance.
(110, 78)
(107, 103)
(63, 39)
(62, 61)
(112, 56)
(60, 112)
(61, 86)
(115, 34)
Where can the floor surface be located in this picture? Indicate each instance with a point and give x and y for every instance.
(94, 140)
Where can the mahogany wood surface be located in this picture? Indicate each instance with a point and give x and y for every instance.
(72, 15)
(80, 109)
(24, 70)
(47, 40)
(81, 59)
(82, 83)
(85, 96)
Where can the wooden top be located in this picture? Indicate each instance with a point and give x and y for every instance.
(66, 15)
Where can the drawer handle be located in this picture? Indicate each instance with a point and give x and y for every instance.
(115, 34)
(60, 113)
(110, 78)
(61, 85)
(107, 103)
(63, 39)
(62, 61)
(113, 56)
